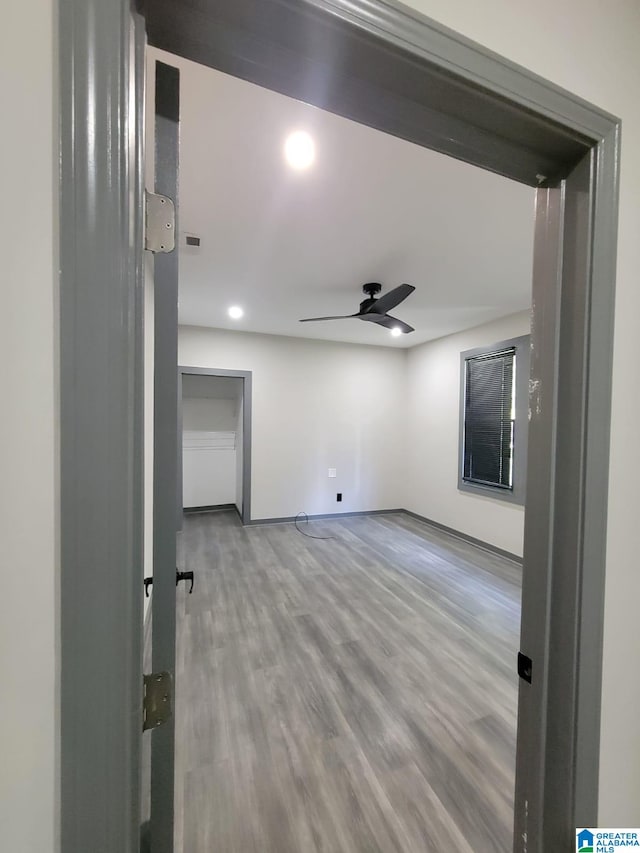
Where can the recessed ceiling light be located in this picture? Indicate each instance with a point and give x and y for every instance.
(396, 331)
(300, 150)
(235, 312)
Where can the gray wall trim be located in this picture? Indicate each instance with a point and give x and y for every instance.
(566, 548)
(215, 371)
(518, 494)
(189, 510)
(247, 437)
(599, 345)
(539, 524)
(290, 519)
(451, 531)
(479, 543)
(565, 539)
(101, 127)
(247, 421)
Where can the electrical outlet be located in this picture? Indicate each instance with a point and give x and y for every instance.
(339, 497)
(332, 472)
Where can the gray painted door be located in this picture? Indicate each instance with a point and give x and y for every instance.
(167, 101)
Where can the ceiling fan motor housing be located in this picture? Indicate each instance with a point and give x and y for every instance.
(372, 288)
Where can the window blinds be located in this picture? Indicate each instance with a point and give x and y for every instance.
(488, 419)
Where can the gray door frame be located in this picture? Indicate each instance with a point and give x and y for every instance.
(165, 454)
(247, 407)
(385, 65)
(101, 125)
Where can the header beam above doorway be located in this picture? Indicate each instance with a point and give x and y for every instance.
(368, 62)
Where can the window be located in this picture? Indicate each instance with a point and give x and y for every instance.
(489, 416)
(493, 429)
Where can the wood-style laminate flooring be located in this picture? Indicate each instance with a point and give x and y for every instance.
(353, 695)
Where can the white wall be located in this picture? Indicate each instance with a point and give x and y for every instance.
(591, 48)
(433, 410)
(292, 402)
(201, 413)
(29, 646)
(208, 469)
(316, 405)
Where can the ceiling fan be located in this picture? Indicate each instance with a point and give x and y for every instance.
(374, 309)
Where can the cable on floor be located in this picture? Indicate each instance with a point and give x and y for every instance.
(309, 535)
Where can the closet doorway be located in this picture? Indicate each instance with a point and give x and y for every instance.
(214, 455)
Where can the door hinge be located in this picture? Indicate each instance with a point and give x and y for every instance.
(160, 223)
(157, 700)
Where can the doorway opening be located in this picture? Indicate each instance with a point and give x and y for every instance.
(332, 400)
(215, 426)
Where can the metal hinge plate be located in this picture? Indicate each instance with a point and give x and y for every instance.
(160, 227)
(157, 700)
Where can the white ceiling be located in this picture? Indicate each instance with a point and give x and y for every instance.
(286, 245)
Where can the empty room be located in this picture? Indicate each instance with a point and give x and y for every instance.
(351, 488)
(358, 648)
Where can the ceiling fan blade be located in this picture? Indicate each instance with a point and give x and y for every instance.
(389, 300)
(405, 328)
(338, 317)
(387, 321)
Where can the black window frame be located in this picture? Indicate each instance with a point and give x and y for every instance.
(515, 494)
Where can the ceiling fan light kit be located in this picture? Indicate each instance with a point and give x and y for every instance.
(374, 308)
